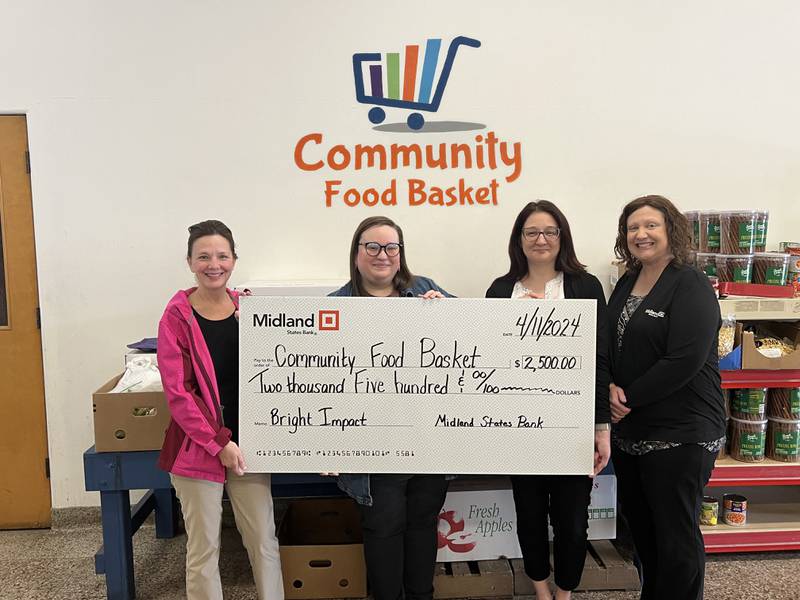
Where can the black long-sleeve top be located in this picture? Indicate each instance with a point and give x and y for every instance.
(583, 286)
(667, 365)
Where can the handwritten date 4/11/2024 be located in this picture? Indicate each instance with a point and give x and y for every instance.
(537, 326)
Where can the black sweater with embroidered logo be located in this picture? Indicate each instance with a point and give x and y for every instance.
(668, 365)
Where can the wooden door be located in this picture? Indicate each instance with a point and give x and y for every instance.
(24, 482)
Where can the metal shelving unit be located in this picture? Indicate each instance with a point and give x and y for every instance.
(770, 527)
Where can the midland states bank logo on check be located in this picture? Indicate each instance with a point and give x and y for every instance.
(323, 320)
(412, 78)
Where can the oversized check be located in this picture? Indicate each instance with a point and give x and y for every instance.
(406, 385)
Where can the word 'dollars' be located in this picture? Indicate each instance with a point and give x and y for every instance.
(482, 153)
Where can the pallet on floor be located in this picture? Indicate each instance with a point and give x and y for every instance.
(604, 569)
(473, 579)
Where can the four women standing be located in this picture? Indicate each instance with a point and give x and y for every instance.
(662, 386)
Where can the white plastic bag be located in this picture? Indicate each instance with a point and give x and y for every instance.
(141, 375)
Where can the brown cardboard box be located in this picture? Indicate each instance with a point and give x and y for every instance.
(322, 550)
(117, 424)
(753, 359)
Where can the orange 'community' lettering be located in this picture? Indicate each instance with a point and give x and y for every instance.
(485, 152)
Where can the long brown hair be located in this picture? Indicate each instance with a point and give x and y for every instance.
(677, 230)
(566, 261)
(402, 279)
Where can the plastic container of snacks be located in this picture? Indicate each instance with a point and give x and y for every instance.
(693, 216)
(736, 268)
(749, 404)
(706, 262)
(770, 268)
(783, 440)
(762, 224)
(734, 510)
(709, 231)
(747, 440)
(738, 232)
(783, 403)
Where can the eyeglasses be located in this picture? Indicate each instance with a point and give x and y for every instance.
(550, 233)
(392, 249)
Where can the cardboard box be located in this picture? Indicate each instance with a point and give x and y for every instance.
(753, 359)
(479, 521)
(128, 421)
(322, 550)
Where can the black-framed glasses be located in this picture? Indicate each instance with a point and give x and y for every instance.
(549, 233)
(392, 249)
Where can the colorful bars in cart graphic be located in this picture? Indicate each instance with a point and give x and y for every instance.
(386, 68)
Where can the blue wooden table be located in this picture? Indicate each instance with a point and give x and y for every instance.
(115, 474)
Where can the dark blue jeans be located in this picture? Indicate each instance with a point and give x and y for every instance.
(400, 534)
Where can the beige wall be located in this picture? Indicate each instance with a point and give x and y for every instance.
(145, 117)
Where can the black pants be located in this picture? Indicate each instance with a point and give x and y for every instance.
(400, 534)
(660, 493)
(566, 499)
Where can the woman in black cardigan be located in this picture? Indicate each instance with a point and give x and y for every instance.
(666, 400)
(544, 265)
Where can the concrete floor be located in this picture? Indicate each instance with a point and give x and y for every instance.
(58, 563)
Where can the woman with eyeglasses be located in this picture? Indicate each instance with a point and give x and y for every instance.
(399, 513)
(544, 266)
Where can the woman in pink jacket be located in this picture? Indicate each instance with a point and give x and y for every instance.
(198, 356)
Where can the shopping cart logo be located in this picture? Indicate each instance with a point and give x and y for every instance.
(329, 320)
(425, 98)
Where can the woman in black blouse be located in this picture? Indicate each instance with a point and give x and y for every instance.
(544, 266)
(665, 395)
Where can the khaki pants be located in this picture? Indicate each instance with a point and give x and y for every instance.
(201, 505)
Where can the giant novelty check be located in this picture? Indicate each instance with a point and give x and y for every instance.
(406, 385)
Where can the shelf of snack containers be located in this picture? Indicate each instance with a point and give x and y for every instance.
(728, 471)
(772, 527)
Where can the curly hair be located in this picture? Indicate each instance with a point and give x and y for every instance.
(678, 234)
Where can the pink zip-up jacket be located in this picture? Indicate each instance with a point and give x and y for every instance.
(196, 434)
